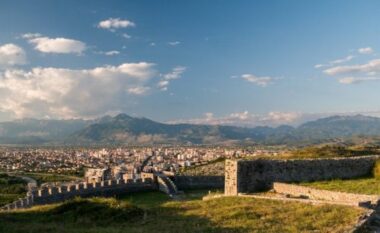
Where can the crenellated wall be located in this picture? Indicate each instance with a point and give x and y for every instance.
(244, 176)
(62, 193)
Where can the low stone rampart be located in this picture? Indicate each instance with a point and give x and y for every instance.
(49, 195)
(244, 176)
(318, 194)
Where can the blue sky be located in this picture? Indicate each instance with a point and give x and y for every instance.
(245, 63)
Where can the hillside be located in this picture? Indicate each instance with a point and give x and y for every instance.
(155, 212)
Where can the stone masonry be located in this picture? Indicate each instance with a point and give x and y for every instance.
(61, 193)
(318, 194)
(245, 176)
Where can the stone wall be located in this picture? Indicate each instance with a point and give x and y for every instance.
(230, 177)
(62, 193)
(244, 176)
(199, 182)
(318, 194)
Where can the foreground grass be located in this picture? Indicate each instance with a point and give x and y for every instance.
(361, 186)
(154, 212)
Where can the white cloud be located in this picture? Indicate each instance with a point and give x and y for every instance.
(166, 78)
(174, 43)
(152, 44)
(247, 119)
(355, 80)
(56, 45)
(11, 54)
(138, 90)
(317, 66)
(371, 66)
(126, 36)
(259, 81)
(274, 118)
(335, 62)
(342, 60)
(366, 50)
(353, 74)
(112, 53)
(115, 23)
(31, 35)
(69, 93)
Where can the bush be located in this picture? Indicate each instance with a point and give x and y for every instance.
(376, 169)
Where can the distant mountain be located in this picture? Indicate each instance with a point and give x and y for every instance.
(32, 131)
(124, 129)
(130, 130)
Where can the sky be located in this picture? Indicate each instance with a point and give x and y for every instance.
(245, 63)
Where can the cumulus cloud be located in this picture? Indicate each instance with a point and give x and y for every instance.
(11, 54)
(259, 81)
(174, 43)
(69, 93)
(166, 78)
(366, 50)
(55, 45)
(115, 23)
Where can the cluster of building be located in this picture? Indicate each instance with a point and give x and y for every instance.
(123, 162)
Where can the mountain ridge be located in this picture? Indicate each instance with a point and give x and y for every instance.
(125, 129)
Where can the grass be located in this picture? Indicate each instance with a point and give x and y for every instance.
(6, 198)
(154, 212)
(49, 177)
(11, 188)
(369, 185)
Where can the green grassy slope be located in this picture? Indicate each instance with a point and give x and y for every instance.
(154, 212)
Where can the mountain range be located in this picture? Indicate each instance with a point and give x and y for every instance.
(124, 129)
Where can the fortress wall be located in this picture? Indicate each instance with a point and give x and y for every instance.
(244, 176)
(62, 193)
(106, 189)
(318, 194)
(199, 182)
